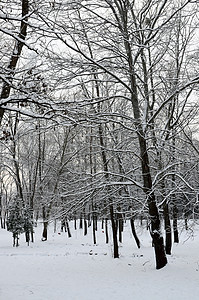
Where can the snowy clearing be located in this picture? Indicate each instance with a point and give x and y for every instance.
(74, 269)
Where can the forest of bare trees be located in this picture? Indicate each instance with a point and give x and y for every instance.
(99, 115)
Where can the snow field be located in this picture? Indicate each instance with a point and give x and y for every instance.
(75, 269)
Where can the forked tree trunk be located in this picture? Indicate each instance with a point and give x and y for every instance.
(157, 238)
(155, 229)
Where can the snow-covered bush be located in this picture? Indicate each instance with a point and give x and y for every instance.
(19, 220)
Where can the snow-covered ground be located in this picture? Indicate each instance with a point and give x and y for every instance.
(75, 269)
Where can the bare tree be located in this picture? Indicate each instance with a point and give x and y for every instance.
(17, 50)
(129, 42)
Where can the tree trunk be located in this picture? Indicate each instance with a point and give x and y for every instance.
(121, 226)
(134, 232)
(141, 220)
(120, 221)
(75, 222)
(89, 220)
(105, 166)
(102, 223)
(45, 231)
(80, 222)
(4, 220)
(106, 231)
(1, 222)
(1, 216)
(32, 234)
(94, 230)
(55, 225)
(157, 238)
(63, 225)
(186, 221)
(68, 229)
(32, 219)
(175, 224)
(27, 235)
(85, 226)
(85, 222)
(114, 229)
(167, 224)
(96, 218)
(1, 211)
